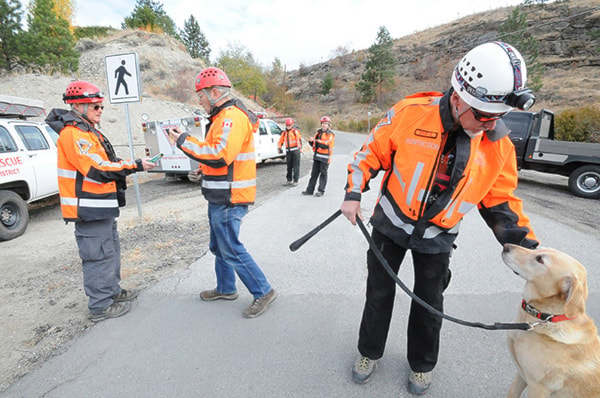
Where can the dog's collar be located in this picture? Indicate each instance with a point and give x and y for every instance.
(544, 317)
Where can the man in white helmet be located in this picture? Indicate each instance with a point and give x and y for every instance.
(443, 154)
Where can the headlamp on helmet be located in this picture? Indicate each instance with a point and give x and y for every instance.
(520, 99)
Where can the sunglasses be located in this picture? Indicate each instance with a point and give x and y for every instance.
(96, 107)
(485, 117)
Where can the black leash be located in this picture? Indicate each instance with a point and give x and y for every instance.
(386, 266)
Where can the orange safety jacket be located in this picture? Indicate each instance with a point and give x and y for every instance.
(226, 156)
(407, 144)
(292, 140)
(89, 173)
(322, 144)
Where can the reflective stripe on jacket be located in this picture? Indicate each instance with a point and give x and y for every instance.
(407, 144)
(323, 145)
(226, 157)
(87, 178)
(291, 140)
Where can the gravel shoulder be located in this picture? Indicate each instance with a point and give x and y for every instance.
(41, 286)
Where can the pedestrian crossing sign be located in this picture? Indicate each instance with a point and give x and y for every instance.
(123, 77)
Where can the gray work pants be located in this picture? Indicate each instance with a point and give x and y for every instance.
(100, 252)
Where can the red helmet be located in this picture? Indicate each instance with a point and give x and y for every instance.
(82, 92)
(211, 77)
(325, 119)
(289, 121)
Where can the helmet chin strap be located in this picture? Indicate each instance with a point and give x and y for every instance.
(213, 102)
(84, 114)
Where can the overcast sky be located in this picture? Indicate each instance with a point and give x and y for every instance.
(295, 31)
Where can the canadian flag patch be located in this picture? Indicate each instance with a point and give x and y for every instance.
(227, 124)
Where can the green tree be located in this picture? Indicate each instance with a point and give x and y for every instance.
(48, 42)
(10, 29)
(277, 69)
(149, 15)
(514, 31)
(276, 94)
(379, 68)
(194, 40)
(327, 84)
(243, 71)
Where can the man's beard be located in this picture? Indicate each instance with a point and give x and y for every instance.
(472, 134)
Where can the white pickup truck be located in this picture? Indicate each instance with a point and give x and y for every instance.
(27, 162)
(174, 162)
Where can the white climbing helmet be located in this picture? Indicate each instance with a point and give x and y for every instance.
(491, 78)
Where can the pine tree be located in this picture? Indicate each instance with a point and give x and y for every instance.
(513, 32)
(48, 43)
(194, 40)
(379, 68)
(327, 84)
(10, 29)
(149, 15)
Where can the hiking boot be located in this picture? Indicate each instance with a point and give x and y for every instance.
(287, 183)
(115, 310)
(211, 295)
(362, 369)
(419, 382)
(260, 304)
(125, 295)
(306, 193)
(319, 193)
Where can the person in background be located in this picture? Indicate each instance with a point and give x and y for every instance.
(443, 154)
(91, 182)
(291, 140)
(228, 165)
(322, 144)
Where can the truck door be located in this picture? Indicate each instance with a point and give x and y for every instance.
(262, 140)
(519, 124)
(41, 157)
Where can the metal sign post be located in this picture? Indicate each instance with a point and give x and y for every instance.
(124, 86)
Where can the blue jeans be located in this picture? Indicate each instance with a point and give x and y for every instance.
(231, 257)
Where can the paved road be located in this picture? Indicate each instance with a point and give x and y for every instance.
(174, 345)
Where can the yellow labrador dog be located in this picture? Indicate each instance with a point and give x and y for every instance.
(560, 356)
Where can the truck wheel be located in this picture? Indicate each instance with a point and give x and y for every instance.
(14, 215)
(585, 182)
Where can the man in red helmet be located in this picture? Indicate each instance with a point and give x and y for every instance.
(228, 164)
(91, 182)
(322, 144)
(292, 141)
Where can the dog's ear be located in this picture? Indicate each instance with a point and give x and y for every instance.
(576, 292)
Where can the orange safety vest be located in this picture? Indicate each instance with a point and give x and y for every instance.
(226, 156)
(407, 143)
(292, 140)
(88, 179)
(322, 144)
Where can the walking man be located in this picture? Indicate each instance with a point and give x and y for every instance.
(228, 164)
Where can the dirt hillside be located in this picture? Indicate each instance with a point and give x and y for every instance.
(568, 34)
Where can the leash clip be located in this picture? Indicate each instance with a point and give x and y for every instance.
(532, 325)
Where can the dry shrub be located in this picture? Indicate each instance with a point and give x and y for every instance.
(578, 124)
